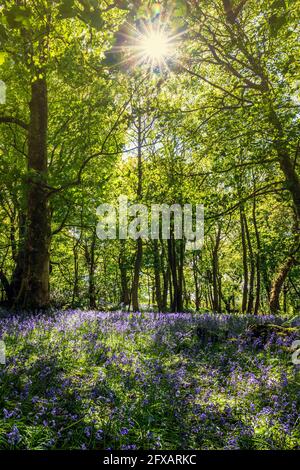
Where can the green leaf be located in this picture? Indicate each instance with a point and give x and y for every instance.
(93, 18)
(276, 23)
(277, 4)
(180, 8)
(3, 33)
(3, 56)
(67, 9)
(18, 16)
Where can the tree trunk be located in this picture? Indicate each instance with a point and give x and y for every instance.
(6, 287)
(252, 269)
(173, 277)
(180, 275)
(285, 268)
(136, 276)
(278, 283)
(285, 161)
(31, 279)
(285, 292)
(157, 270)
(215, 272)
(245, 263)
(220, 292)
(90, 260)
(124, 298)
(257, 258)
(166, 279)
(196, 281)
(75, 292)
(139, 248)
(17, 274)
(177, 277)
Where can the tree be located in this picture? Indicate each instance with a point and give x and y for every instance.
(29, 32)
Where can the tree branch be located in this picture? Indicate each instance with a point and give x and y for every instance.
(13, 120)
(259, 192)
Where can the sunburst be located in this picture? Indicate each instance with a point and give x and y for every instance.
(153, 46)
(150, 44)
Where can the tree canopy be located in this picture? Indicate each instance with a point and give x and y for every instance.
(211, 118)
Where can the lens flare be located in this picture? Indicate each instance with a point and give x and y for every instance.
(155, 46)
(152, 44)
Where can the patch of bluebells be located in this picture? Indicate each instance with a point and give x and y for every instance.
(14, 436)
(99, 380)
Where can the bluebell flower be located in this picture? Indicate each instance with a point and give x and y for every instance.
(124, 431)
(88, 431)
(14, 437)
(99, 434)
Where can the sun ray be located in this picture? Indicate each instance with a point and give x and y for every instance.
(151, 44)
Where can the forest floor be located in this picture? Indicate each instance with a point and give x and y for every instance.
(95, 380)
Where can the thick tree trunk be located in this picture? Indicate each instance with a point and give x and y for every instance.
(31, 280)
(278, 284)
(286, 163)
(17, 274)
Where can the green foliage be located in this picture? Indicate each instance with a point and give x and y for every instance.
(209, 139)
